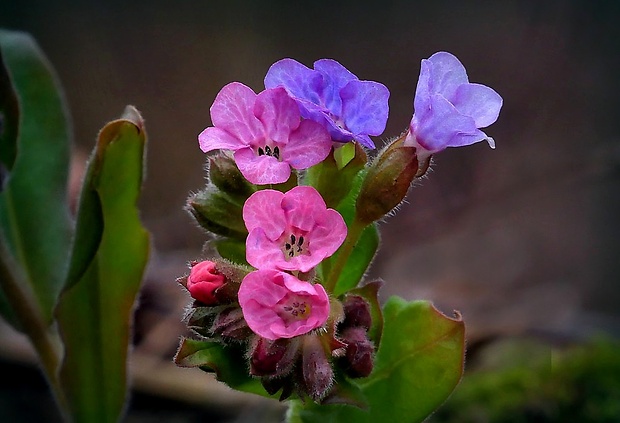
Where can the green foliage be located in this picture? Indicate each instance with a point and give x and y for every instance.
(418, 364)
(34, 149)
(93, 314)
(535, 383)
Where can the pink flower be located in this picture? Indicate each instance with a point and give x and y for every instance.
(278, 305)
(203, 280)
(266, 133)
(291, 231)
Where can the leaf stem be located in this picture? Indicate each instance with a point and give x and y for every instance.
(28, 314)
(353, 235)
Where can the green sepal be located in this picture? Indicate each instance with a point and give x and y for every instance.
(216, 212)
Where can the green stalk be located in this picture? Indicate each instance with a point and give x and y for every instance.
(353, 235)
(24, 305)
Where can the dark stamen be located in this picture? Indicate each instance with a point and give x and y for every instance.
(261, 152)
(301, 241)
(276, 152)
(268, 150)
(292, 239)
(287, 246)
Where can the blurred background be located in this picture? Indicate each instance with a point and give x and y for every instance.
(523, 240)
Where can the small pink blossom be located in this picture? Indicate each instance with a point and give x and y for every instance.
(291, 231)
(203, 280)
(278, 305)
(266, 133)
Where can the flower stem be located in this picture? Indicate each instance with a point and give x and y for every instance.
(353, 235)
(29, 316)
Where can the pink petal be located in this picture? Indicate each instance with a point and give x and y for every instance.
(278, 113)
(233, 111)
(263, 253)
(328, 235)
(214, 138)
(308, 145)
(261, 170)
(301, 205)
(262, 210)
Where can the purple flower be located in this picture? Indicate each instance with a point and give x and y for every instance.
(278, 305)
(350, 109)
(266, 133)
(291, 231)
(448, 109)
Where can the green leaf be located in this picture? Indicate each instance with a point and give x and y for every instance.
(231, 249)
(34, 150)
(418, 364)
(94, 313)
(228, 363)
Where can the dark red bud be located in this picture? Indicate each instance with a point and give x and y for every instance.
(273, 358)
(317, 372)
(356, 312)
(231, 324)
(359, 353)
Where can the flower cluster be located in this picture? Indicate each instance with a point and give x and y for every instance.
(287, 295)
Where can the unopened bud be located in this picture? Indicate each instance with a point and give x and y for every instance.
(317, 372)
(203, 280)
(273, 358)
(356, 312)
(218, 213)
(230, 323)
(387, 181)
(225, 175)
(359, 353)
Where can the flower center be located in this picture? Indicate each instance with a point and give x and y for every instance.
(293, 307)
(269, 151)
(294, 246)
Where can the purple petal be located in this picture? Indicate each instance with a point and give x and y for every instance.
(262, 252)
(307, 146)
(442, 126)
(365, 107)
(422, 98)
(365, 141)
(232, 111)
(300, 81)
(302, 205)
(213, 138)
(278, 113)
(447, 73)
(261, 170)
(263, 210)
(478, 101)
(335, 77)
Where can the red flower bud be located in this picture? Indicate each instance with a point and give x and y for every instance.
(359, 354)
(273, 358)
(203, 280)
(356, 312)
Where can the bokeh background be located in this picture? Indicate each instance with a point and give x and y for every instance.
(523, 240)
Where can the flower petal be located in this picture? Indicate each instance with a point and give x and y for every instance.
(301, 206)
(329, 233)
(308, 145)
(365, 107)
(278, 113)
(478, 101)
(335, 77)
(262, 210)
(263, 253)
(299, 80)
(446, 74)
(261, 170)
(232, 111)
(213, 138)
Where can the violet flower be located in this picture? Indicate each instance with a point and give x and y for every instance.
(266, 133)
(350, 109)
(448, 109)
(291, 231)
(278, 305)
